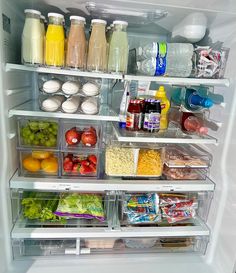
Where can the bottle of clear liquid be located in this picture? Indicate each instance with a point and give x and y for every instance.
(177, 59)
(118, 51)
(190, 99)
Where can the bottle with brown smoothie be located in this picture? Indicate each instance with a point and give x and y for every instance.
(97, 51)
(76, 46)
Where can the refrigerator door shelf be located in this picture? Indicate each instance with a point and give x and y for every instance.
(110, 184)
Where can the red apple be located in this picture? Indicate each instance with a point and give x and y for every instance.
(72, 136)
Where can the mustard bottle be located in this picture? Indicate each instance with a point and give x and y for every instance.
(165, 106)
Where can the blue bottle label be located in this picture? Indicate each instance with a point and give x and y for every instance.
(161, 59)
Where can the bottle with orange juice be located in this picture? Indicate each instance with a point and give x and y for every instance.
(55, 41)
(165, 107)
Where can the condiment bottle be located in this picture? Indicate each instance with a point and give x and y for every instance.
(55, 41)
(118, 51)
(97, 50)
(134, 115)
(152, 115)
(165, 106)
(32, 38)
(76, 46)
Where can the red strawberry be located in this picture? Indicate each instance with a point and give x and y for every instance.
(84, 163)
(76, 168)
(92, 159)
(67, 165)
(76, 159)
(85, 170)
(93, 168)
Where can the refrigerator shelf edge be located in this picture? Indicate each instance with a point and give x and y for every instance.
(117, 184)
(31, 109)
(170, 136)
(198, 229)
(61, 71)
(179, 81)
(161, 80)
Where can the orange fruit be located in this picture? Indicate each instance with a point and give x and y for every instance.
(41, 154)
(49, 165)
(31, 164)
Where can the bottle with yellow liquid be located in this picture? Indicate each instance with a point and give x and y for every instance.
(55, 41)
(165, 107)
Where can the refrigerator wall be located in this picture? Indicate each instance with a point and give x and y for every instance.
(17, 87)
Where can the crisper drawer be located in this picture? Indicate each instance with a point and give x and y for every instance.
(163, 209)
(30, 248)
(37, 209)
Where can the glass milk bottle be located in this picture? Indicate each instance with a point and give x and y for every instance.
(76, 46)
(97, 51)
(55, 41)
(32, 38)
(118, 53)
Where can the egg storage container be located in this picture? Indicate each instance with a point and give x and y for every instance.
(39, 163)
(81, 135)
(38, 132)
(80, 164)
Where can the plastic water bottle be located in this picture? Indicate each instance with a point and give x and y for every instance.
(176, 58)
(190, 99)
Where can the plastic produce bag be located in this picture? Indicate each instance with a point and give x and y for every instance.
(76, 205)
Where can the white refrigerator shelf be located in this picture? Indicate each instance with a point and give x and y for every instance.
(31, 108)
(198, 228)
(110, 184)
(172, 135)
(160, 80)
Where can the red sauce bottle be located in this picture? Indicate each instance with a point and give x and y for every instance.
(134, 116)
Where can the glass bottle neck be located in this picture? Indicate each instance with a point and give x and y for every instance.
(55, 21)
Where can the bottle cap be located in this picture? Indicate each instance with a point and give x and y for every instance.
(42, 17)
(32, 11)
(208, 103)
(100, 21)
(58, 15)
(123, 23)
(78, 18)
(203, 130)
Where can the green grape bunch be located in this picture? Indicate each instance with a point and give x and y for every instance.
(39, 133)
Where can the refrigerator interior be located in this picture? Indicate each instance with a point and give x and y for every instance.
(18, 87)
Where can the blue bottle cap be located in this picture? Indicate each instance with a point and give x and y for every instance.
(208, 103)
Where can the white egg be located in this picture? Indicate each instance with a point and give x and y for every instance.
(89, 107)
(70, 87)
(71, 105)
(50, 105)
(52, 86)
(90, 89)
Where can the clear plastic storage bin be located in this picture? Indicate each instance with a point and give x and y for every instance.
(130, 161)
(186, 156)
(80, 134)
(80, 164)
(39, 163)
(38, 132)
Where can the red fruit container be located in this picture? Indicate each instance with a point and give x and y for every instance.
(80, 134)
(79, 164)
